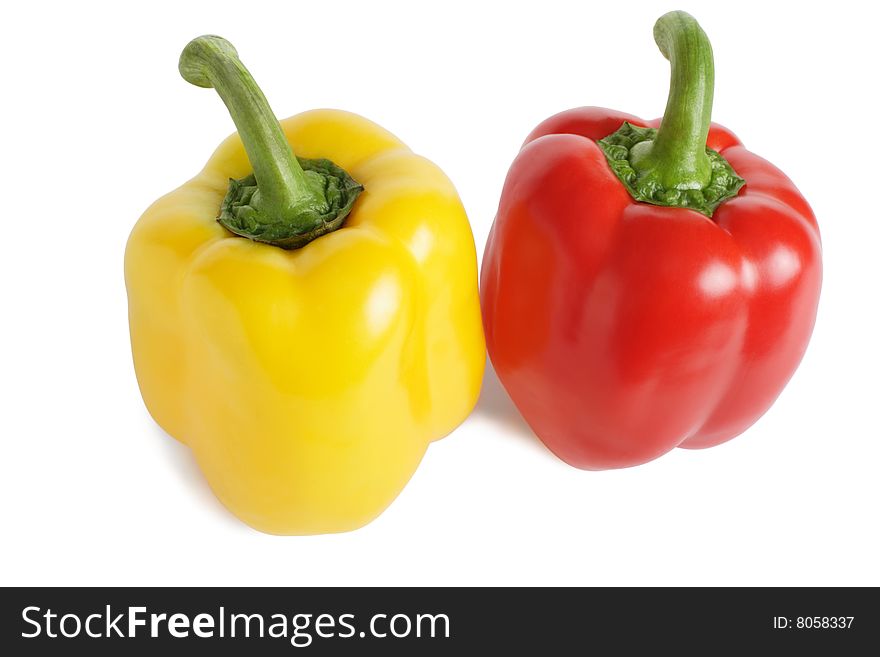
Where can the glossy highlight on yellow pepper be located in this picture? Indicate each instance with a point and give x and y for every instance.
(309, 382)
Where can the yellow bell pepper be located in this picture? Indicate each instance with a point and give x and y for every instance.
(307, 381)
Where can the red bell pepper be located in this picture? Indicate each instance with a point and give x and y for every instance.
(647, 284)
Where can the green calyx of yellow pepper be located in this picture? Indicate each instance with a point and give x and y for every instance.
(287, 201)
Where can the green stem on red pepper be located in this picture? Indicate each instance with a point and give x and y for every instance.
(671, 165)
(287, 201)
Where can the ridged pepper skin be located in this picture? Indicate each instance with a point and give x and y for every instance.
(308, 383)
(622, 329)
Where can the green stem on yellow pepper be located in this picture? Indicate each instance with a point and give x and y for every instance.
(288, 201)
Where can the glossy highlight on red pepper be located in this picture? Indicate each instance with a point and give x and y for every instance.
(623, 328)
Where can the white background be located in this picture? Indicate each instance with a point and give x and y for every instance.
(96, 124)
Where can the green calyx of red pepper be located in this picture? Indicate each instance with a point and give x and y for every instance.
(287, 201)
(672, 166)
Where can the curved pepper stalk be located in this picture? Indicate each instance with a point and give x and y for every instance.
(287, 201)
(672, 165)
